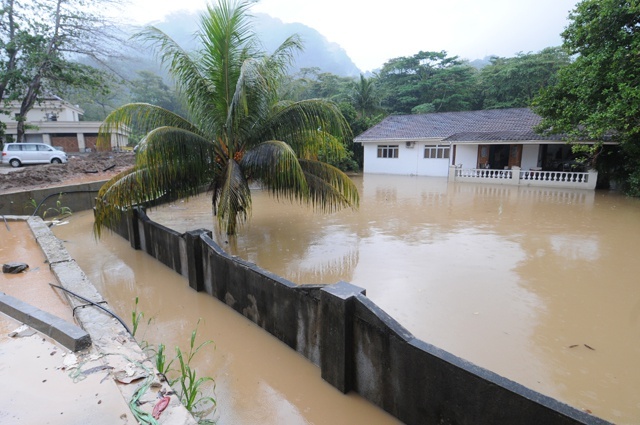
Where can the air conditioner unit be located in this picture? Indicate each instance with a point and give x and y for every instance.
(410, 144)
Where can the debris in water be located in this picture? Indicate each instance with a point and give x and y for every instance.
(590, 348)
(573, 346)
(14, 268)
(160, 406)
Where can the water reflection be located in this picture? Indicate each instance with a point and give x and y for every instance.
(519, 280)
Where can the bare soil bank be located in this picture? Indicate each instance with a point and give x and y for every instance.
(81, 168)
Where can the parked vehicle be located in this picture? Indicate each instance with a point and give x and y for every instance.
(17, 154)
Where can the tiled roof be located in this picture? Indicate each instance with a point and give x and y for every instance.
(496, 136)
(491, 124)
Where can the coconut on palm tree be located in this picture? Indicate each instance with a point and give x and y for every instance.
(237, 131)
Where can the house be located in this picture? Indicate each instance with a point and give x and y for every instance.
(491, 146)
(57, 123)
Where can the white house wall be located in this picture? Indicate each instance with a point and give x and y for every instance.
(529, 156)
(467, 156)
(410, 161)
(41, 112)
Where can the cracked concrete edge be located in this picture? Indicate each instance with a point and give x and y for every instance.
(109, 337)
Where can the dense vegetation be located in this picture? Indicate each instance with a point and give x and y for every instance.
(597, 96)
(589, 85)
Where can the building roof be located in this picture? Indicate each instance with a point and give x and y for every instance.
(466, 126)
(497, 136)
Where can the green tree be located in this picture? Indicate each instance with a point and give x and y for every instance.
(597, 96)
(364, 97)
(38, 41)
(310, 83)
(97, 102)
(150, 88)
(514, 82)
(428, 81)
(239, 130)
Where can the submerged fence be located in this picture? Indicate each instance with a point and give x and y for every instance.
(357, 346)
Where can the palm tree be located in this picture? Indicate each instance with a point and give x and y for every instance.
(364, 97)
(238, 129)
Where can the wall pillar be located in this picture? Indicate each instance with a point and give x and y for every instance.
(452, 173)
(133, 227)
(194, 258)
(81, 142)
(592, 179)
(515, 175)
(336, 334)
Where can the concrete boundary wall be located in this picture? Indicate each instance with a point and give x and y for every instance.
(357, 346)
(78, 197)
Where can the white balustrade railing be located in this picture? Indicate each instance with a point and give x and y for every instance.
(484, 173)
(516, 176)
(555, 176)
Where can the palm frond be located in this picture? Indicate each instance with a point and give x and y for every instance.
(232, 198)
(276, 166)
(143, 117)
(188, 74)
(228, 41)
(175, 164)
(174, 150)
(329, 188)
(284, 55)
(116, 196)
(294, 122)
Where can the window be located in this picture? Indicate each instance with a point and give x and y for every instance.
(387, 151)
(437, 151)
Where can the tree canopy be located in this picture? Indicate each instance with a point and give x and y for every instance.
(429, 81)
(514, 82)
(238, 129)
(39, 40)
(597, 96)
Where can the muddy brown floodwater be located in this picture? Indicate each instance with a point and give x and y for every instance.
(538, 285)
(259, 380)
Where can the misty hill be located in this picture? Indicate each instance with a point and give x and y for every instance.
(318, 51)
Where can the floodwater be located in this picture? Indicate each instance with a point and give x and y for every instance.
(538, 285)
(258, 379)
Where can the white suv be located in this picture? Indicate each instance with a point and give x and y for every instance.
(17, 154)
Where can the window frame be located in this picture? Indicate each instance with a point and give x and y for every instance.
(387, 151)
(436, 152)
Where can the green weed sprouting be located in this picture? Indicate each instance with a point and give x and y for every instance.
(136, 317)
(161, 360)
(188, 386)
(60, 210)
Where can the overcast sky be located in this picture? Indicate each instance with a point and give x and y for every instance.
(373, 34)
